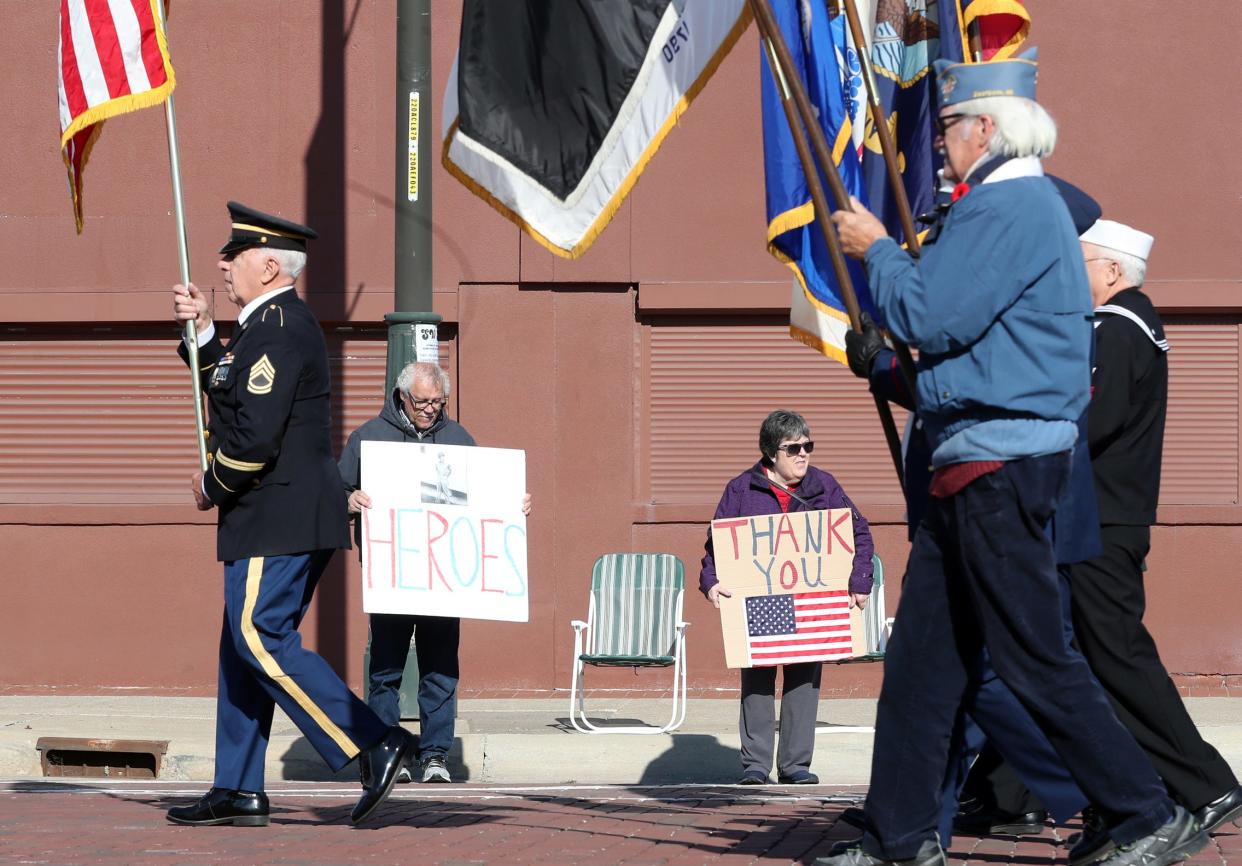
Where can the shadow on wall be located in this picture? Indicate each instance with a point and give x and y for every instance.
(324, 180)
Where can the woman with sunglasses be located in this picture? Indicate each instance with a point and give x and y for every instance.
(784, 481)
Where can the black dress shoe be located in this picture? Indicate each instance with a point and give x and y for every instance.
(1093, 843)
(222, 806)
(993, 822)
(1227, 807)
(379, 767)
(855, 817)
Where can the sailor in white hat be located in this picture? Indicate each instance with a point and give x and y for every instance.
(1126, 416)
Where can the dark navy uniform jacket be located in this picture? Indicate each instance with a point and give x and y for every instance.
(272, 474)
(1130, 395)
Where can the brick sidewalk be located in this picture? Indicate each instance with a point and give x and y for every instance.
(111, 823)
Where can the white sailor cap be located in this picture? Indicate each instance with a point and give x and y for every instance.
(1117, 236)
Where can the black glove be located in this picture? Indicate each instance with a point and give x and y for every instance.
(861, 348)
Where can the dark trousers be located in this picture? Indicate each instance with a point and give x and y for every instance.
(757, 721)
(1108, 605)
(436, 639)
(982, 573)
(263, 663)
(995, 724)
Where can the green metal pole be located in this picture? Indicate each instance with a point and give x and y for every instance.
(412, 331)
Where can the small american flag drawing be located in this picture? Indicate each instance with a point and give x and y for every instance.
(799, 627)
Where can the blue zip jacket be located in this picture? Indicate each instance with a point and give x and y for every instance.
(998, 308)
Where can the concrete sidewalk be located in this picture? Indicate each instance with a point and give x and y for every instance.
(498, 741)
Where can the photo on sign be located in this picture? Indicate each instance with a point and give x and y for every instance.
(445, 479)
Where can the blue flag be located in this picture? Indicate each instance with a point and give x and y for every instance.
(909, 36)
(830, 72)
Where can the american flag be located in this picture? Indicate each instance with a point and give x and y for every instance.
(800, 627)
(112, 58)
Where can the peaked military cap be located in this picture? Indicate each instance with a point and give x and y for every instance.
(958, 82)
(253, 228)
(1084, 210)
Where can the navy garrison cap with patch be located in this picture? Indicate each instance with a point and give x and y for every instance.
(1084, 210)
(959, 82)
(253, 228)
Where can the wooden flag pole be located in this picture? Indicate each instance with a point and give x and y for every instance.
(824, 154)
(783, 74)
(183, 253)
(889, 150)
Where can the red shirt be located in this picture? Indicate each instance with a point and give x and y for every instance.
(782, 497)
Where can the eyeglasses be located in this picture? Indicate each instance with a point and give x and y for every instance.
(944, 123)
(438, 403)
(796, 448)
(1100, 259)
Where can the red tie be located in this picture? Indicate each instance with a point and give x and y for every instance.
(960, 190)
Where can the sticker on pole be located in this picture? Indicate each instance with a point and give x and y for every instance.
(413, 169)
(426, 344)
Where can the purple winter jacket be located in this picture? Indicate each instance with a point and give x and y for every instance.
(750, 494)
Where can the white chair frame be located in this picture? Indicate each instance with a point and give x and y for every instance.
(577, 692)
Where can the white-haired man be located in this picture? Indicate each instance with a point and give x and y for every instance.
(1130, 389)
(998, 307)
(414, 412)
(281, 518)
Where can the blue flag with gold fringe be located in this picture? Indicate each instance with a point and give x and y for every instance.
(909, 36)
(830, 71)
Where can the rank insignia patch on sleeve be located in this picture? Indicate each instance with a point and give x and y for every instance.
(262, 377)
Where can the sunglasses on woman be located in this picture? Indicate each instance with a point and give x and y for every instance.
(796, 448)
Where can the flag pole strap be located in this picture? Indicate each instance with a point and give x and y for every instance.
(786, 79)
(183, 254)
(889, 150)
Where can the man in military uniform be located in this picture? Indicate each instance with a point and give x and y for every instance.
(998, 308)
(281, 517)
(1130, 390)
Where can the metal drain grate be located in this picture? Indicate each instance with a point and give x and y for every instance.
(115, 759)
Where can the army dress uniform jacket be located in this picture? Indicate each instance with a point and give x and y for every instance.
(272, 474)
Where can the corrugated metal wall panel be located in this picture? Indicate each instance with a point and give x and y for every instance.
(711, 385)
(107, 418)
(1201, 435)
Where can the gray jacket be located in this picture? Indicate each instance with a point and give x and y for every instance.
(391, 425)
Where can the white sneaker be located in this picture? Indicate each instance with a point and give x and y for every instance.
(435, 770)
(404, 777)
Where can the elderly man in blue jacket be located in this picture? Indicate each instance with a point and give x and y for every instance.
(998, 307)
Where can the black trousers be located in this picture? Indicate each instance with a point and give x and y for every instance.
(1108, 605)
(982, 573)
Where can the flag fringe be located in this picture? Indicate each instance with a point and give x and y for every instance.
(618, 198)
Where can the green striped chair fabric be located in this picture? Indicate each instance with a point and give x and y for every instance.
(636, 607)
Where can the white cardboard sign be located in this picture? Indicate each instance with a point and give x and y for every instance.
(445, 534)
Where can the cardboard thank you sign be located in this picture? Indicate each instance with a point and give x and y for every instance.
(445, 534)
(789, 575)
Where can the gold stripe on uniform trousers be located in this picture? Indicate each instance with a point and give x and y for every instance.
(254, 575)
(239, 465)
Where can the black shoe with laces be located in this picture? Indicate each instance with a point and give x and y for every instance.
(1093, 843)
(1180, 837)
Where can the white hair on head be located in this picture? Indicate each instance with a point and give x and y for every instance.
(291, 261)
(1023, 127)
(423, 371)
(1133, 269)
